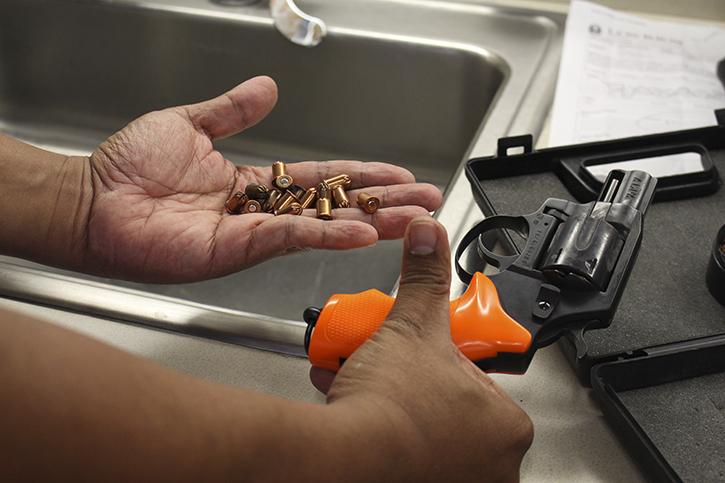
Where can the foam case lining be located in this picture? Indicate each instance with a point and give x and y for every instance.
(666, 299)
(668, 408)
(674, 422)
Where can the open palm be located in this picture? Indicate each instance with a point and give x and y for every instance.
(159, 188)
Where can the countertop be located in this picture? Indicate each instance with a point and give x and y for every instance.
(572, 441)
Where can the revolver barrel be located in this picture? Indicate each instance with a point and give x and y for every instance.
(629, 188)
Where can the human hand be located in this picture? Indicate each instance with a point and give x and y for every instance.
(412, 385)
(159, 188)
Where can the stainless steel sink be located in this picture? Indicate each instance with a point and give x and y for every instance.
(422, 84)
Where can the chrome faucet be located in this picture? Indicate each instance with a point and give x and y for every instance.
(296, 25)
(293, 23)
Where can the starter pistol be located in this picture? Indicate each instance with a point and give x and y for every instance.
(571, 273)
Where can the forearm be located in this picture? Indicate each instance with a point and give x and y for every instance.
(45, 199)
(77, 409)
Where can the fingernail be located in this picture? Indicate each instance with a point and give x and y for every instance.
(423, 238)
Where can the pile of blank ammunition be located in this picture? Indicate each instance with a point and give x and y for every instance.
(287, 198)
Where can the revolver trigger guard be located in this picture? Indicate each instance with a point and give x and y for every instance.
(498, 261)
(519, 224)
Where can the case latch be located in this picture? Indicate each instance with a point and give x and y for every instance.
(525, 141)
(719, 115)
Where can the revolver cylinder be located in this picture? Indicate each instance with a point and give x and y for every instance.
(586, 247)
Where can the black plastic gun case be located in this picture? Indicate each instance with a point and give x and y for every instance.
(658, 371)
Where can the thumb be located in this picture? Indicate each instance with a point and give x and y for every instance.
(422, 303)
(234, 111)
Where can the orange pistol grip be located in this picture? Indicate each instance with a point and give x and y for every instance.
(345, 322)
(479, 325)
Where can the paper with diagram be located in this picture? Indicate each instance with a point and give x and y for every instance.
(622, 75)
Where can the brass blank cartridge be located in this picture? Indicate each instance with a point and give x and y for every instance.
(308, 198)
(278, 169)
(324, 205)
(235, 204)
(287, 199)
(280, 178)
(324, 209)
(339, 180)
(274, 197)
(368, 203)
(283, 182)
(292, 209)
(341, 199)
(256, 191)
(297, 190)
(252, 206)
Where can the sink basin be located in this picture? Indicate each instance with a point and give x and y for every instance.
(422, 84)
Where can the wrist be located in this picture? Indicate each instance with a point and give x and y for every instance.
(372, 440)
(45, 201)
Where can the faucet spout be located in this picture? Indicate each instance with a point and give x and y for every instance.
(296, 25)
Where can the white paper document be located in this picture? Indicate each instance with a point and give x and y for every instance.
(622, 75)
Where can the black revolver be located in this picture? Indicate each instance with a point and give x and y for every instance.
(573, 267)
(572, 270)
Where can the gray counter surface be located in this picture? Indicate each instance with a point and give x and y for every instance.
(572, 441)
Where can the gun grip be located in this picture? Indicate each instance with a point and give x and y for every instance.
(479, 325)
(345, 322)
(481, 328)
